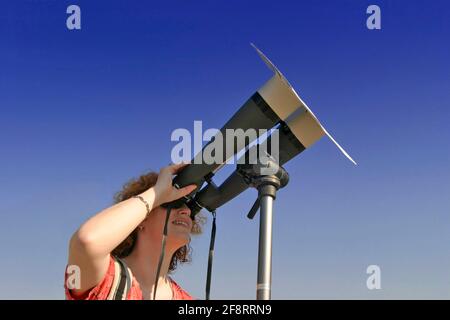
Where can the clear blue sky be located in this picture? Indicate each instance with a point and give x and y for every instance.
(84, 111)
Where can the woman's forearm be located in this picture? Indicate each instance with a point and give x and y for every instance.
(103, 232)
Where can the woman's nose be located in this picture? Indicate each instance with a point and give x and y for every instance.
(185, 211)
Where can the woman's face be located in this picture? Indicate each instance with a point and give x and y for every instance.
(178, 229)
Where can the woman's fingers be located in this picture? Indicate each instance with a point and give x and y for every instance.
(165, 190)
(185, 190)
(174, 168)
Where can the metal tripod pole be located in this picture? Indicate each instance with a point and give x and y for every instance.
(267, 186)
(263, 289)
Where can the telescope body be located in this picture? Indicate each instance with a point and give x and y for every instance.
(275, 103)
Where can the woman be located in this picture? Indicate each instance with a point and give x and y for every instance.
(131, 232)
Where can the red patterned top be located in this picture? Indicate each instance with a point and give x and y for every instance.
(101, 291)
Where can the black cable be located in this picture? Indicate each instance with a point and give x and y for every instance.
(211, 255)
(163, 249)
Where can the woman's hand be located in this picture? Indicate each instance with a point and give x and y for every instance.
(164, 190)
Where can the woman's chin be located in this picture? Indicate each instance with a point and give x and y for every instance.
(180, 239)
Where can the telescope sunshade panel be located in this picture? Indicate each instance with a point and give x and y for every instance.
(306, 129)
(291, 98)
(279, 96)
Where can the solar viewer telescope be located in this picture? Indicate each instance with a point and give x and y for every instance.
(300, 131)
(274, 102)
(276, 105)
